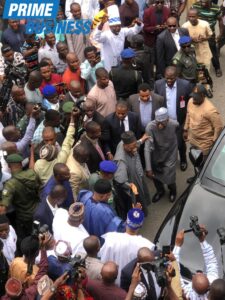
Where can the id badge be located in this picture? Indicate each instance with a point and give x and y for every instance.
(182, 104)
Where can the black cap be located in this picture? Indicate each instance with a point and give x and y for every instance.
(102, 186)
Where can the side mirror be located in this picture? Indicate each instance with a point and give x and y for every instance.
(196, 157)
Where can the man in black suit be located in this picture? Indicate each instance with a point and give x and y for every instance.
(118, 122)
(145, 103)
(91, 141)
(144, 257)
(91, 114)
(176, 92)
(47, 207)
(167, 45)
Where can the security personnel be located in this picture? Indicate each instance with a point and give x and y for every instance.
(21, 191)
(185, 60)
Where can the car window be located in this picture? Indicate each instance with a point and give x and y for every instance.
(216, 168)
(210, 209)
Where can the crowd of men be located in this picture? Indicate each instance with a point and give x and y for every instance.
(86, 121)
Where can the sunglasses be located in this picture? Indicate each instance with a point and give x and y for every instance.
(186, 46)
(159, 2)
(170, 26)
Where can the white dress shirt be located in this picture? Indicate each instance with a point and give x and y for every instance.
(176, 38)
(126, 123)
(157, 287)
(48, 52)
(211, 267)
(53, 209)
(171, 100)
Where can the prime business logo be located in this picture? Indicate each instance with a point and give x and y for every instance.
(41, 17)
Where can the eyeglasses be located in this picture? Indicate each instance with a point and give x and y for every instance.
(186, 46)
(159, 2)
(170, 26)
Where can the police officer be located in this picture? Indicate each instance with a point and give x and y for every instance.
(185, 60)
(21, 192)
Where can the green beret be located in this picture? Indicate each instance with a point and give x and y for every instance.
(14, 158)
(68, 107)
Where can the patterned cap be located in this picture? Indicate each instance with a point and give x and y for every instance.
(135, 218)
(161, 114)
(13, 287)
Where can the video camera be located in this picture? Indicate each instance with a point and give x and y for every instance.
(194, 227)
(76, 262)
(159, 267)
(38, 229)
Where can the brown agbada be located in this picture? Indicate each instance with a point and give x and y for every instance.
(204, 125)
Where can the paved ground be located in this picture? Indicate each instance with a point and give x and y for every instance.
(159, 210)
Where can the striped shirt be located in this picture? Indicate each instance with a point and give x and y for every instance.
(211, 267)
(210, 14)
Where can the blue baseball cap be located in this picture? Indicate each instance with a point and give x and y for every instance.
(108, 166)
(184, 40)
(128, 53)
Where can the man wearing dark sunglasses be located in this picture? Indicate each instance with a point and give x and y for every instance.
(185, 60)
(167, 45)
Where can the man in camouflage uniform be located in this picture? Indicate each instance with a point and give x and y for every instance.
(21, 192)
(185, 61)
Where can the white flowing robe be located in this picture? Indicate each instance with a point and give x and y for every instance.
(122, 248)
(65, 232)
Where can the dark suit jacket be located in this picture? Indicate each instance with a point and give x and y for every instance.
(150, 23)
(44, 215)
(134, 104)
(126, 275)
(98, 118)
(183, 91)
(94, 158)
(112, 123)
(166, 49)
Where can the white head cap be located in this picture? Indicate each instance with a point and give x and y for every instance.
(114, 15)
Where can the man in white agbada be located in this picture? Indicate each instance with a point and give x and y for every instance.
(67, 226)
(122, 248)
(113, 40)
(8, 238)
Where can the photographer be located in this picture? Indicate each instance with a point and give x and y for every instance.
(200, 284)
(21, 286)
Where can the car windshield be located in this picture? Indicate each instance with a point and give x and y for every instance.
(215, 170)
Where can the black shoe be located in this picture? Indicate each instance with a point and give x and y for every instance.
(157, 196)
(172, 197)
(191, 179)
(183, 165)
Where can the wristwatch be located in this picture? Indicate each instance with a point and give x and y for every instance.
(53, 289)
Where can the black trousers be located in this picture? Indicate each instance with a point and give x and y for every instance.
(23, 229)
(214, 50)
(160, 186)
(181, 145)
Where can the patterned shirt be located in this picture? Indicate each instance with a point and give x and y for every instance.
(31, 60)
(210, 14)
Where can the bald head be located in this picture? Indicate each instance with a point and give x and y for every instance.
(200, 283)
(11, 133)
(61, 172)
(217, 290)
(109, 272)
(72, 61)
(34, 80)
(49, 135)
(9, 147)
(92, 245)
(145, 255)
(80, 153)
(57, 195)
(18, 94)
